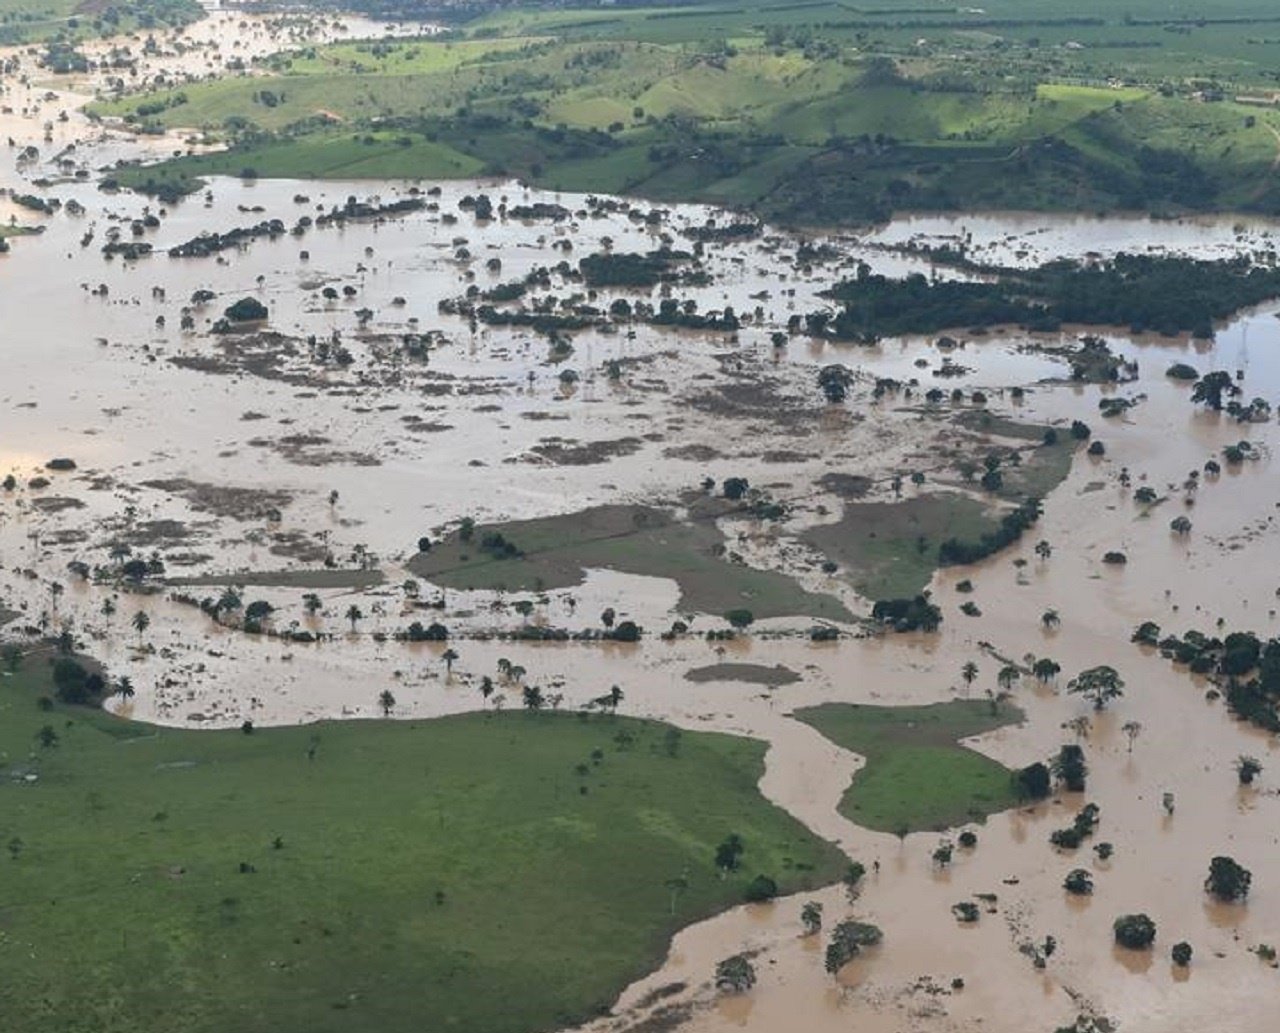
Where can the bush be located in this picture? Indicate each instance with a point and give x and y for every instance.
(760, 889)
(1181, 954)
(1137, 932)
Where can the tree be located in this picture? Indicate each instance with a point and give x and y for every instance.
(1210, 388)
(1069, 767)
(354, 615)
(735, 488)
(1247, 769)
(246, 310)
(811, 917)
(1180, 526)
(1099, 685)
(847, 941)
(1033, 781)
(1045, 670)
(47, 737)
(124, 688)
(614, 697)
(486, 688)
(387, 701)
(1137, 932)
(1131, 729)
(834, 381)
(1078, 882)
(969, 672)
(1043, 549)
(735, 975)
(449, 656)
(1050, 620)
(141, 622)
(1181, 954)
(311, 603)
(729, 853)
(1008, 676)
(608, 617)
(760, 889)
(532, 696)
(1228, 881)
(740, 618)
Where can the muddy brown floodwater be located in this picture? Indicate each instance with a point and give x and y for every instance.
(221, 457)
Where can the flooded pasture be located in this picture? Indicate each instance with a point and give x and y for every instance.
(261, 458)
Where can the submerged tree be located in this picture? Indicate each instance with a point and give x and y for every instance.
(1099, 685)
(387, 701)
(1228, 880)
(834, 381)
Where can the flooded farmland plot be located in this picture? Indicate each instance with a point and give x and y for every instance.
(284, 446)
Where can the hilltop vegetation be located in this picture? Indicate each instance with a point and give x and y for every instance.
(807, 113)
(484, 873)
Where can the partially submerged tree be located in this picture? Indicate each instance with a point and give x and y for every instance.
(1099, 685)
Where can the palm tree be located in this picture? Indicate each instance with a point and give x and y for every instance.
(141, 622)
(615, 697)
(1043, 549)
(449, 656)
(1132, 729)
(1008, 676)
(387, 701)
(533, 697)
(486, 687)
(1050, 619)
(969, 672)
(108, 607)
(124, 688)
(354, 614)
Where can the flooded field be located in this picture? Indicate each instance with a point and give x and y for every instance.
(308, 454)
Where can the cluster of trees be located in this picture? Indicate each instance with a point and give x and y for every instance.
(1169, 294)
(913, 614)
(1248, 667)
(609, 269)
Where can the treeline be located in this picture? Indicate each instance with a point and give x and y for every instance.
(1143, 292)
(1246, 667)
(954, 552)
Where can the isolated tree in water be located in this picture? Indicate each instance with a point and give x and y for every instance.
(834, 381)
(354, 614)
(1099, 685)
(141, 622)
(1228, 881)
(449, 656)
(1210, 389)
(1131, 729)
(387, 701)
(969, 672)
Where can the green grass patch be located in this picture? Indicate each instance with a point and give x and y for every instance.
(555, 552)
(484, 873)
(917, 776)
(889, 550)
